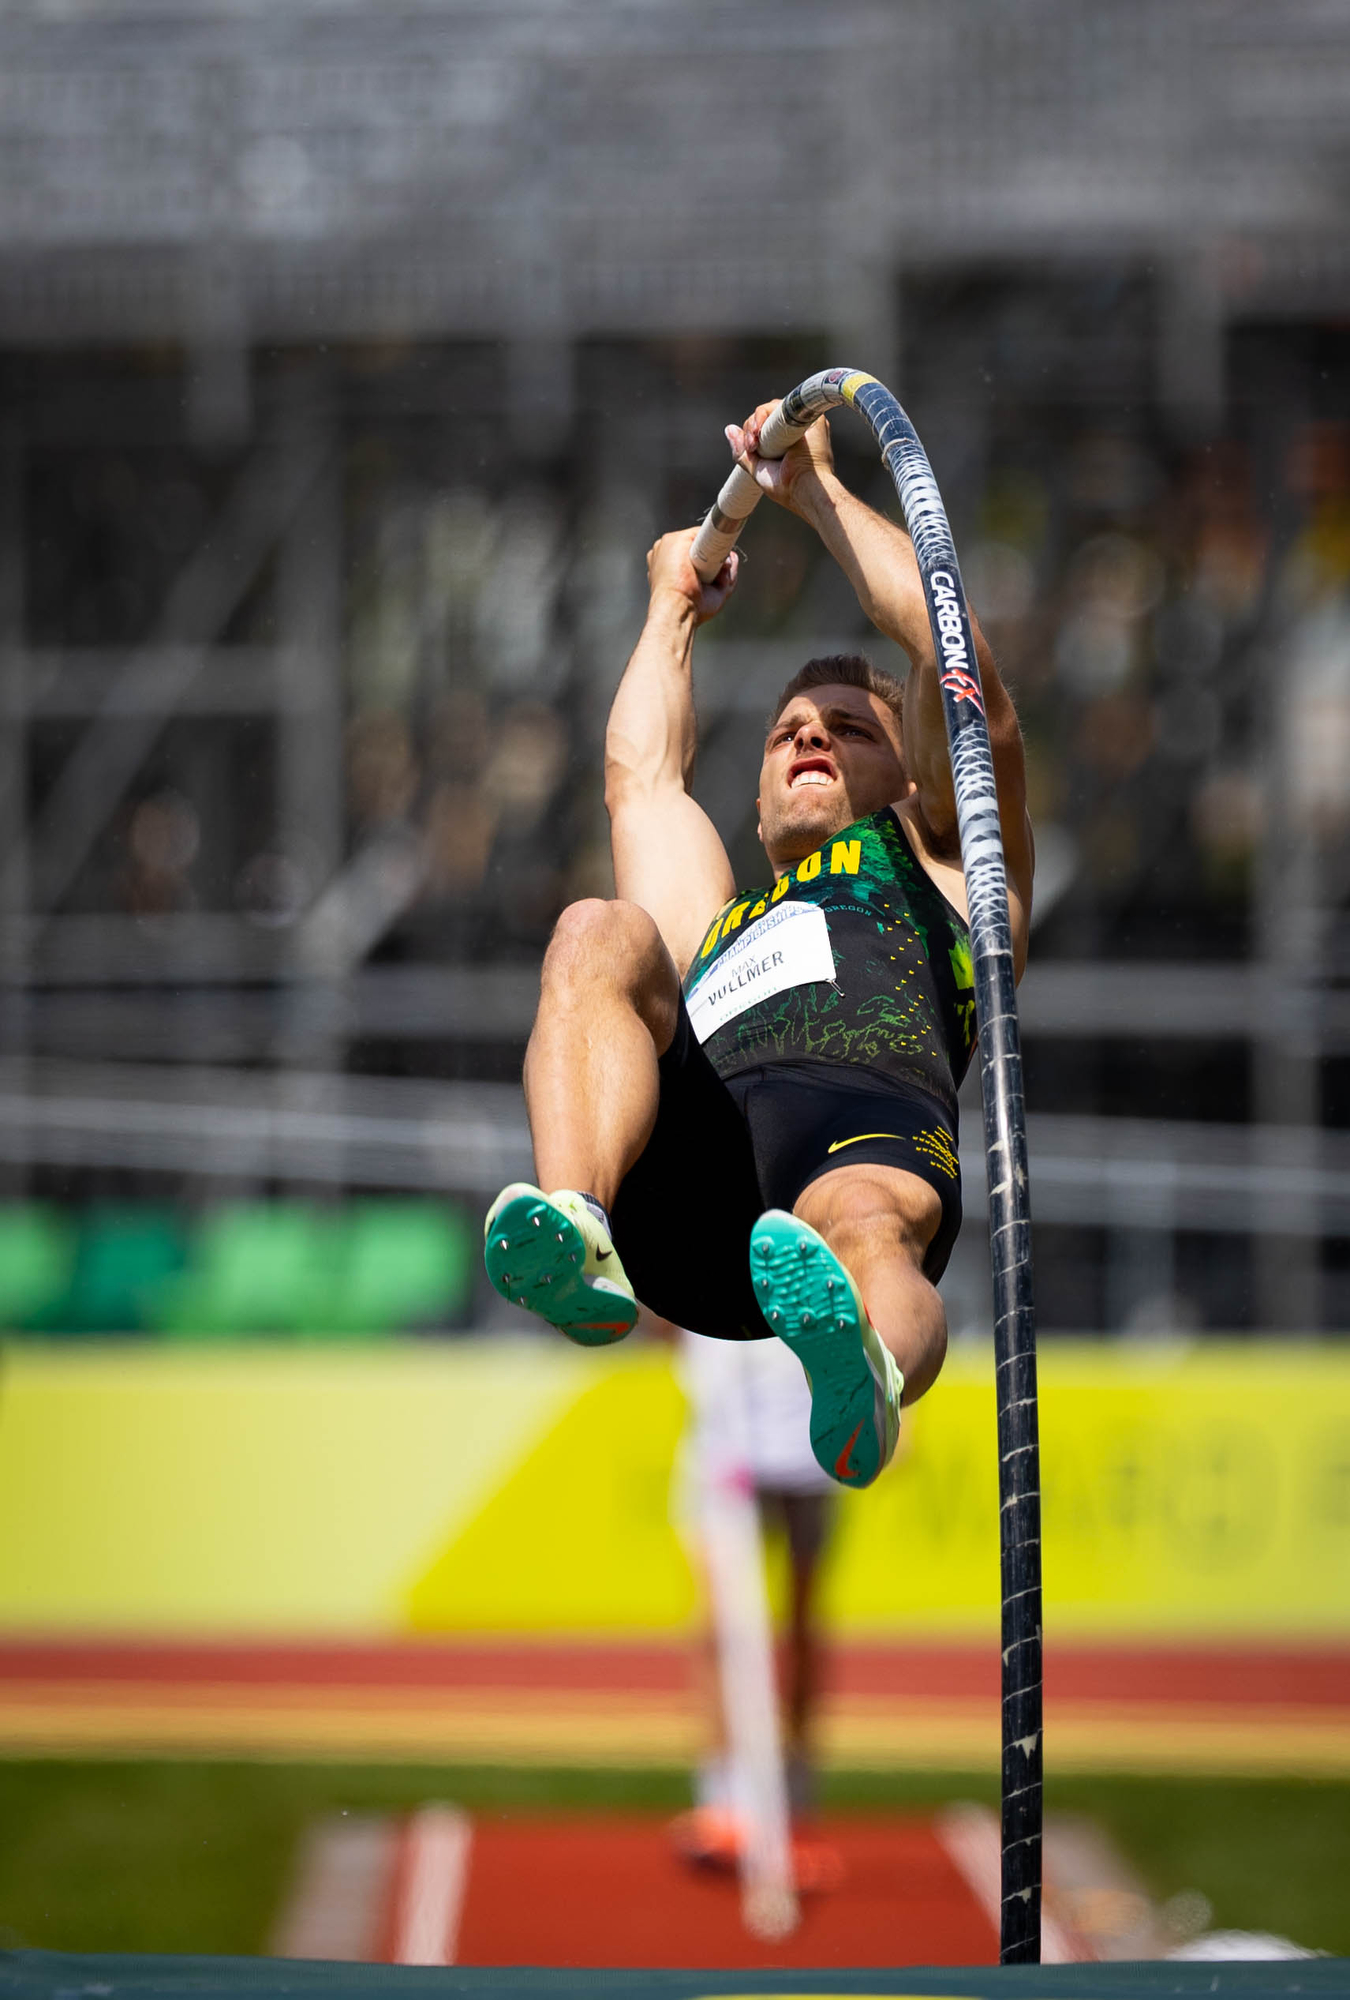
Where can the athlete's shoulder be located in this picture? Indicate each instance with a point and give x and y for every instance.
(941, 865)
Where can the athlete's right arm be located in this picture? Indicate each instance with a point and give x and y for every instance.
(668, 855)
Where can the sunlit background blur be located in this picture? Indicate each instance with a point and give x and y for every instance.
(350, 358)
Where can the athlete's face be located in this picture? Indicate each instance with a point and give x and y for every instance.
(833, 756)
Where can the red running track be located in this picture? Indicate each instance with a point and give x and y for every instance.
(609, 1892)
(1314, 1675)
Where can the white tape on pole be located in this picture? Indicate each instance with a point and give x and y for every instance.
(740, 496)
(778, 435)
(712, 546)
(738, 499)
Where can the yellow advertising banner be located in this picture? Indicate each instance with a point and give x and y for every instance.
(523, 1486)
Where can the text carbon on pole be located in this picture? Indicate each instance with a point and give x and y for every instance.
(1000, 1081)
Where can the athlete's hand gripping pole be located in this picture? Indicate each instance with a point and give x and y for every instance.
(1000, 1077)
(740, 496)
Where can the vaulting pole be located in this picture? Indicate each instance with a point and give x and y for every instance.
(1000, 1079)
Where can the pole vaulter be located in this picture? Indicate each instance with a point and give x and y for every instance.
(744, 1102)
(1000, 1078)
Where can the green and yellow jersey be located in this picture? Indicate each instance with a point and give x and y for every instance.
(854, 956)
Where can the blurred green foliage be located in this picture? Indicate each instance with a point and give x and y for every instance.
(37, 1262)
(358, 1268)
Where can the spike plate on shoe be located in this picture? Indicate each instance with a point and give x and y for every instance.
(810, 1300)
(536, 1257)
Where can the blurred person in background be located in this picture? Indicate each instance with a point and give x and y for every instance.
(701, 1059)
(749, 1421)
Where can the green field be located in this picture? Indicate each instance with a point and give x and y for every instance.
(194, 1857)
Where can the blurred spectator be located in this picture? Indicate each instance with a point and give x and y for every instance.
(163, 837)
(381, 771)
(749, 1418)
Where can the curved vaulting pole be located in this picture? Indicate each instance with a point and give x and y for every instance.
(1000, 1078)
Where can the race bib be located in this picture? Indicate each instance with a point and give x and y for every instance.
(789, 946)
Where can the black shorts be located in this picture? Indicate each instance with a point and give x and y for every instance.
(726, 1151)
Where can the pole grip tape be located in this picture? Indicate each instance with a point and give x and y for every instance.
(778, 435)
(739, 498)
(712, 545)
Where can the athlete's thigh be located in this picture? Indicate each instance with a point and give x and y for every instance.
(814, 1126)
(881, 1205)
(683, 1216)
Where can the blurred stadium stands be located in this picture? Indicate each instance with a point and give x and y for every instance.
(348, 362)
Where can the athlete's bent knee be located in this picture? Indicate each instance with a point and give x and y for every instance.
(616, 945)
(600, 936)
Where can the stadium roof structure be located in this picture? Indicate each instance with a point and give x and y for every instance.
(563, 168)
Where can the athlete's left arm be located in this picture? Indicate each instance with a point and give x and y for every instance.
(878, 558)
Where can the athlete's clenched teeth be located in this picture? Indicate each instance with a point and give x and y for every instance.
(810, 771)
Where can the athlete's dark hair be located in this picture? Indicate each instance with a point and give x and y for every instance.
(846, 670)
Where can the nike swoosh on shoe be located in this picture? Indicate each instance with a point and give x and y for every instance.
(844, 1468)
